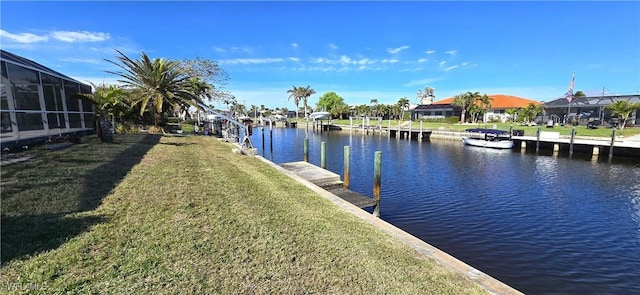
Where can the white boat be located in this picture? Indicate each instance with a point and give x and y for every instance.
(320, 115)
(488, 138)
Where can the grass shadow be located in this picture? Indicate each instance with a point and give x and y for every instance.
(37, 196)
(27, 235)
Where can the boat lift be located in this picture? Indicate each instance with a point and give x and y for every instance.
(246, 140)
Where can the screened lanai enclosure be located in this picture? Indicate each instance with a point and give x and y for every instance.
(587, 109)
(36, 103)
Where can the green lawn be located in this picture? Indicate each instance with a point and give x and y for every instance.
(155, 214)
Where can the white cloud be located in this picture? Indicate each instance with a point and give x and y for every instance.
(391, 61)
(243, 49)
(345, 59)
(430, 52)
(333, 46)
(81, 36)
(442, 63)
(365, 61)
(451, 68)
(452, 52)
(422, 60)
(23, 37)
(246, 61)
(464, 63)
(294, 45)
(294, 59)
(421, 82)
(396, 50)
(218, 49)
(81, 60)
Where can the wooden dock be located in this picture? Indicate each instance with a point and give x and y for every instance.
(328, 181)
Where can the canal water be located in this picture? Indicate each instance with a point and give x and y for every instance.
(541, 223)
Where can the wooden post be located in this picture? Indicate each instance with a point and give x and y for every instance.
(420, 136)
(306, 149)
(323, 159)
(263, 139)
(271, 140)
(350, 124)
(389, 129)
(573, 133)
(538, 139)
(409, 137)
(377, 163)
(347, 163)
(613, 138)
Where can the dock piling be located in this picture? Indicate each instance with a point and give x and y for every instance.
(306, 149)
(613, 138)
(347, 163)
(323, 159)
(538, 139)
(377, 163)
(573, 134)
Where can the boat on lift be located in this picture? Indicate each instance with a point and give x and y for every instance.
(320, 116)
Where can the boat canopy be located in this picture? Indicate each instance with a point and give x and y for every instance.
(320, 115)
(487, 131)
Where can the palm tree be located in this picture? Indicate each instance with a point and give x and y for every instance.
(108, 101)
(362, 110)
(154, 82)
(403, 103)
(464, 100)
(484, 102)
(295, 94)
(305, 93)
(530, 112)
(340, 109)
(201, 90)
(512, 113)
(623, 109)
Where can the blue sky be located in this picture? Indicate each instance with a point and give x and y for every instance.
(360, 50)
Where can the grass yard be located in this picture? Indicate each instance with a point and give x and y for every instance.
(183, 214)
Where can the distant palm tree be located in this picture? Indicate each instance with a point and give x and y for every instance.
(465, 100)
(623, 109)
(530, 112)
(201, 90)
(295, 93)
(512, 113)
(306, 94)
(154, 82)
(579, 93)
(108, 101)
(403, 103)
(363, 110)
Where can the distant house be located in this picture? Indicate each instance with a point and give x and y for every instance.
(36, 102)
(435, 111)
(499, 104)
(589, 107)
